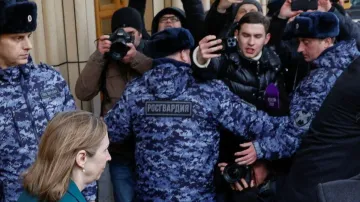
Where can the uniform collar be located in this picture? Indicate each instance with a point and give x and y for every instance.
(74, 191)
(15, 72)
(339, 56)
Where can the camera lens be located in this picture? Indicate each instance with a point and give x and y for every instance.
(118, 48)
(234, 172)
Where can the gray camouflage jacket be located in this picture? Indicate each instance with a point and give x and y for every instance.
(280, 137)
(30, 95)
(175, 121)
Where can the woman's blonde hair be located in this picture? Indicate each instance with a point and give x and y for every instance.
(66, 134)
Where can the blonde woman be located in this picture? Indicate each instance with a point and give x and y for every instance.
(73, 152)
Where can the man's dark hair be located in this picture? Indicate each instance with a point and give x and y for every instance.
(255, 18)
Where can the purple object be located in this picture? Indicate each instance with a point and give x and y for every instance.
(272, 96)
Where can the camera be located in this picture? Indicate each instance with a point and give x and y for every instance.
(234, 172)
(118, 48)
(230, 45)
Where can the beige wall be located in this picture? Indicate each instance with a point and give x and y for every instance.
(65, 37)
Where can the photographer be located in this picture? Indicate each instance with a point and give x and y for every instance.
(108, 73)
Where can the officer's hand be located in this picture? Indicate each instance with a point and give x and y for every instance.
(286, 12)
(104, 44)
(207, 46)
(324, 5)
(248, 156)
(238, 187)
(222, 167)
(225, 4)
(130, 55)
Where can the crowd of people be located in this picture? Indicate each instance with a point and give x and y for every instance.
(228, 105)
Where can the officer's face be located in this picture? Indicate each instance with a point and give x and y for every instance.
(168, 21)
(252, 38)
(96, 164)
(245, 8)
(14, 49)
(136, 34)
(312, 48)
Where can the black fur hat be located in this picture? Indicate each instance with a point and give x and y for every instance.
(17, 16)
(169, 41)
(313, 25)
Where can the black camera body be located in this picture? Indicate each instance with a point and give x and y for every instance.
(118, 48)
(234, 173)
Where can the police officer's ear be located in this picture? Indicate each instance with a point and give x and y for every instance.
(185, 56)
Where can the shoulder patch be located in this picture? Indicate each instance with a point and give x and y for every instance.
(168, 108)
(303, 119)
(50, 93)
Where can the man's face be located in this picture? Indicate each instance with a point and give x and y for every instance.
(136, 34)
(168, 21)
(14, 49)
(246, 8)
(312, 48)
(260, 172)
(252, 38)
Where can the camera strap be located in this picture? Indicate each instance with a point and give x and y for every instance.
(102, 88)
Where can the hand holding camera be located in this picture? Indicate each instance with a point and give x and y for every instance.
(239, 177)
(104, 44)
(117, 46)
(130, 54)
(244, 185)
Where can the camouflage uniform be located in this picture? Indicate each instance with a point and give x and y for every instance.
(30, 95)
(329, 145)
(175, 120)
(281, 137)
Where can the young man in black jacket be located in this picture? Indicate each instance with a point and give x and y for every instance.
(253, 72)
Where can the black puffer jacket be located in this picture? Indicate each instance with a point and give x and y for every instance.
(249, 78)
